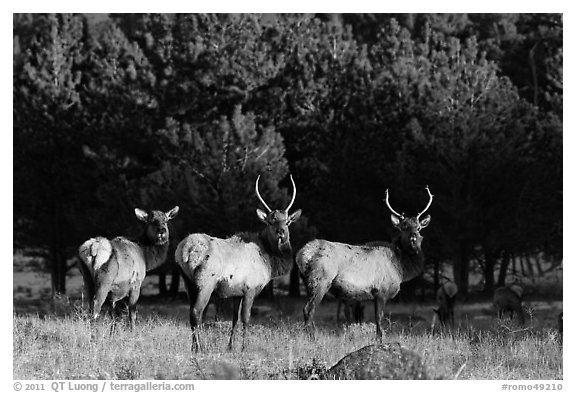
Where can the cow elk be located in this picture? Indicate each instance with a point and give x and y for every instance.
(445, 298)
(373, 271)
(115, 269)
(509, 299)
(238, 267)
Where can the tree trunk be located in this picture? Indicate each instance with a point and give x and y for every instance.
(464, 274)
(489, 272)
(461, 269)
(294, 287)
(175, 282)
(162, 282)
(529, 267)
(58, 271)
(503, 269)
(539, 267)
(436, 274)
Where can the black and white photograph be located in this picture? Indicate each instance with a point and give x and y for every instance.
(287, 196)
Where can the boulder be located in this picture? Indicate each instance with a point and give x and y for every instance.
(382, 361)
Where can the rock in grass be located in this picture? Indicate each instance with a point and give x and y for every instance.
(383, 361)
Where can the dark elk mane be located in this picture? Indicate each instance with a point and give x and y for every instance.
(411, 261)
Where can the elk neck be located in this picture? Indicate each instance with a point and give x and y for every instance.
(154, 254)
(411, 261)
(280, 263)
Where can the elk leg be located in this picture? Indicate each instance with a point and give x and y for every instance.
(103, 283)
(219, 309)
(98, 301)
(193, 294)
(113, 317)
(316, 295)
(235, 311)
(379, 304)
(117, 312)
(347, 311)
(132, 300)
(88, 281)
(196, 311)
(218, 304)
(359, 312)
(246, 309)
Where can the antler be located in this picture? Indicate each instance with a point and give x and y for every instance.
(293, 195)
(259, 197)
(428, 205)
(390, 207)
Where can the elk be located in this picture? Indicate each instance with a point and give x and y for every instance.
(114, 269)
(238, 267)
(445, 298)
(374, 271)
(509, 298)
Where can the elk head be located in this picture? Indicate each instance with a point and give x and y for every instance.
(278, 221)
(410, 227)
(156, 230)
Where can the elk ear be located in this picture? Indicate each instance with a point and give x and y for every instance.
(294, 217)
(141, 214)
(425, 221)
(262, 215)
(172, 213)
(395, 220)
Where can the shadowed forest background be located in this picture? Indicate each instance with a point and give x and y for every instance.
(113, 112)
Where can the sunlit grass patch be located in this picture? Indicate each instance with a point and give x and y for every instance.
(73, 347)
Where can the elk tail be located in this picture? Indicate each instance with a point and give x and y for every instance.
(191, 252)
(93, 254)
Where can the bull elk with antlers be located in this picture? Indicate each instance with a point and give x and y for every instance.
(114, 269)
(238, 267)
(373, 271)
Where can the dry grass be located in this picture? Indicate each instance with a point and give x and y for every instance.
(71, 347)
(56, 340)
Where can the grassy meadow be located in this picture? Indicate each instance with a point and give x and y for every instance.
(71, 347)
(55, 339)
